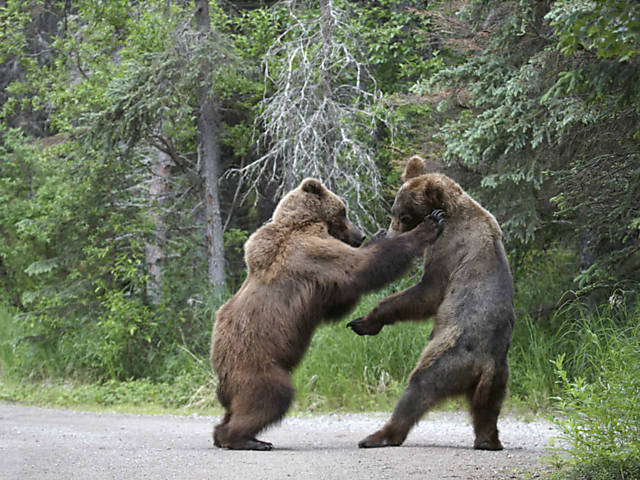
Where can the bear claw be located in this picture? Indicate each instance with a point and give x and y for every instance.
(437, 216)
(487, 445)
(362, 327)
(373, 441)
(252, 444)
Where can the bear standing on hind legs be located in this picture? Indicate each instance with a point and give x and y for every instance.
(303, 267)
(467, 287)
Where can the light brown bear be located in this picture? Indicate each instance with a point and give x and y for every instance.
(467, 287)
(303, 267)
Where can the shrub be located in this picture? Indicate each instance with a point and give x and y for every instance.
(599, 416)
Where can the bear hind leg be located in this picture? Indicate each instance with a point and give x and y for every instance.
(424, 391)
(441, 373)
(262, 403)
(225, 420)
(409, 409)
(485, 404)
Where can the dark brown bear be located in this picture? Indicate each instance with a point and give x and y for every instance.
(467, 288)
(303, 267)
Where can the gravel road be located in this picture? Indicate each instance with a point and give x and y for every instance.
(42, 443)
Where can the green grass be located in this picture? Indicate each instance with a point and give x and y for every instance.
(343, 371)
(185, 395)
(6, 336)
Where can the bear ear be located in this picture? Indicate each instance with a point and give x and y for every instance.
(414, 168)
(311, 185)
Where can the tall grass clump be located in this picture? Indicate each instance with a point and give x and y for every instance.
(18, 357)
(540, 277)
(343, 371)
(7, 329)
(584, 337)
(598, 401)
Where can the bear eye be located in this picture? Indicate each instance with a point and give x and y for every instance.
(406, 219)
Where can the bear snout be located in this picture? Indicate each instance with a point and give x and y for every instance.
(356, 237)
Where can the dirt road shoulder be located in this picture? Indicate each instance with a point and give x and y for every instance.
(42, 443)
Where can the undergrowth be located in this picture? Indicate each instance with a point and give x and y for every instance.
(342, 371)
(598, 400)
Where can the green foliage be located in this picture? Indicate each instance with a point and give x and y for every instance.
(539, 279)
(505, 134)
(600, 184)
(17, 163)
(599, 416)
(584, 337)
(7, 336)
(548, 133)
(14, 17)
(119, 79)
(396, 42)
(610, 28)
(82, 259)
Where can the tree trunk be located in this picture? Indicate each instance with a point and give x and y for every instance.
(331, 117)
(156, 254)
(209, 151)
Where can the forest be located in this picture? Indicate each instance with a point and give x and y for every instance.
(143, 141)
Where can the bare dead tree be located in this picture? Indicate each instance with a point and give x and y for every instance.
(324, 112)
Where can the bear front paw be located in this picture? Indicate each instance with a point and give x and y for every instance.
(438, 217)
(363, 327)
(379, 235)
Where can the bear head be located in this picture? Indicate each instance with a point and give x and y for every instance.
(420, 194)
(311, 203)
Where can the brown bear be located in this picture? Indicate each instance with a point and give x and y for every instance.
(303, 267)
(467, 287)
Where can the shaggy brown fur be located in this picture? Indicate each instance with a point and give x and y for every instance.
(303, 267)
(467, 286)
